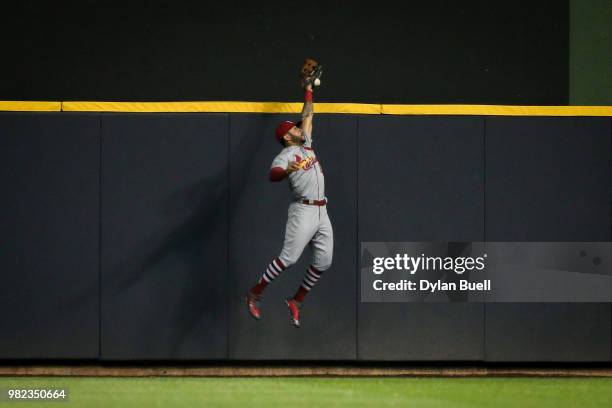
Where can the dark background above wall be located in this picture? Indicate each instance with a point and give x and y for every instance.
(387, 52)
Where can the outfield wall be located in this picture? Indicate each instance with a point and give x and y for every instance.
(134, 236)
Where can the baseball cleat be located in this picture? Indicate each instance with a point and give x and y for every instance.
(252, 301)
(294, 311)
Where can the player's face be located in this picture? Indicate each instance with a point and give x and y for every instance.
(296, 135)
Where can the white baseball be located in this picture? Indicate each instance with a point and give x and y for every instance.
(317, 82)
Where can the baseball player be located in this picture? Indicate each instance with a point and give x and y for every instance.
(307, 218)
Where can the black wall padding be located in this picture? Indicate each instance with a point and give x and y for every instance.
(421, 179)
(164, 236)
(49, 235)
(548, 179)
(136, 236)
(258, 213)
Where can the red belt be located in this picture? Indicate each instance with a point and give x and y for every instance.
(315, 202)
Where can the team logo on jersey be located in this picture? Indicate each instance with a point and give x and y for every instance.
(306, 163)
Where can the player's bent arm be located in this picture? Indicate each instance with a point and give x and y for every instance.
(307, 110)
(278, 173)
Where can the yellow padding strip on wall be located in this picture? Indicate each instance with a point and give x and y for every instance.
(30, 106)
(362, 108)
(320, 107)
(345, 108)
(497, 110)
(224, 107)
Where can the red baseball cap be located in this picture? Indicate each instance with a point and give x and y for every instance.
(284, 127)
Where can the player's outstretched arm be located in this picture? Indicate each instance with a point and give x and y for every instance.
(307, 110)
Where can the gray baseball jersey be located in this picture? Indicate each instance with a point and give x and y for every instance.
(308, 182)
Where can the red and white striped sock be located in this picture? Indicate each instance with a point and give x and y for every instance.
(310, 280)
(274, 269)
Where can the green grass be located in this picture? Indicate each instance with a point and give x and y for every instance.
(321, 392)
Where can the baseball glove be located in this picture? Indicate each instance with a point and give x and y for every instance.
(310, 72)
